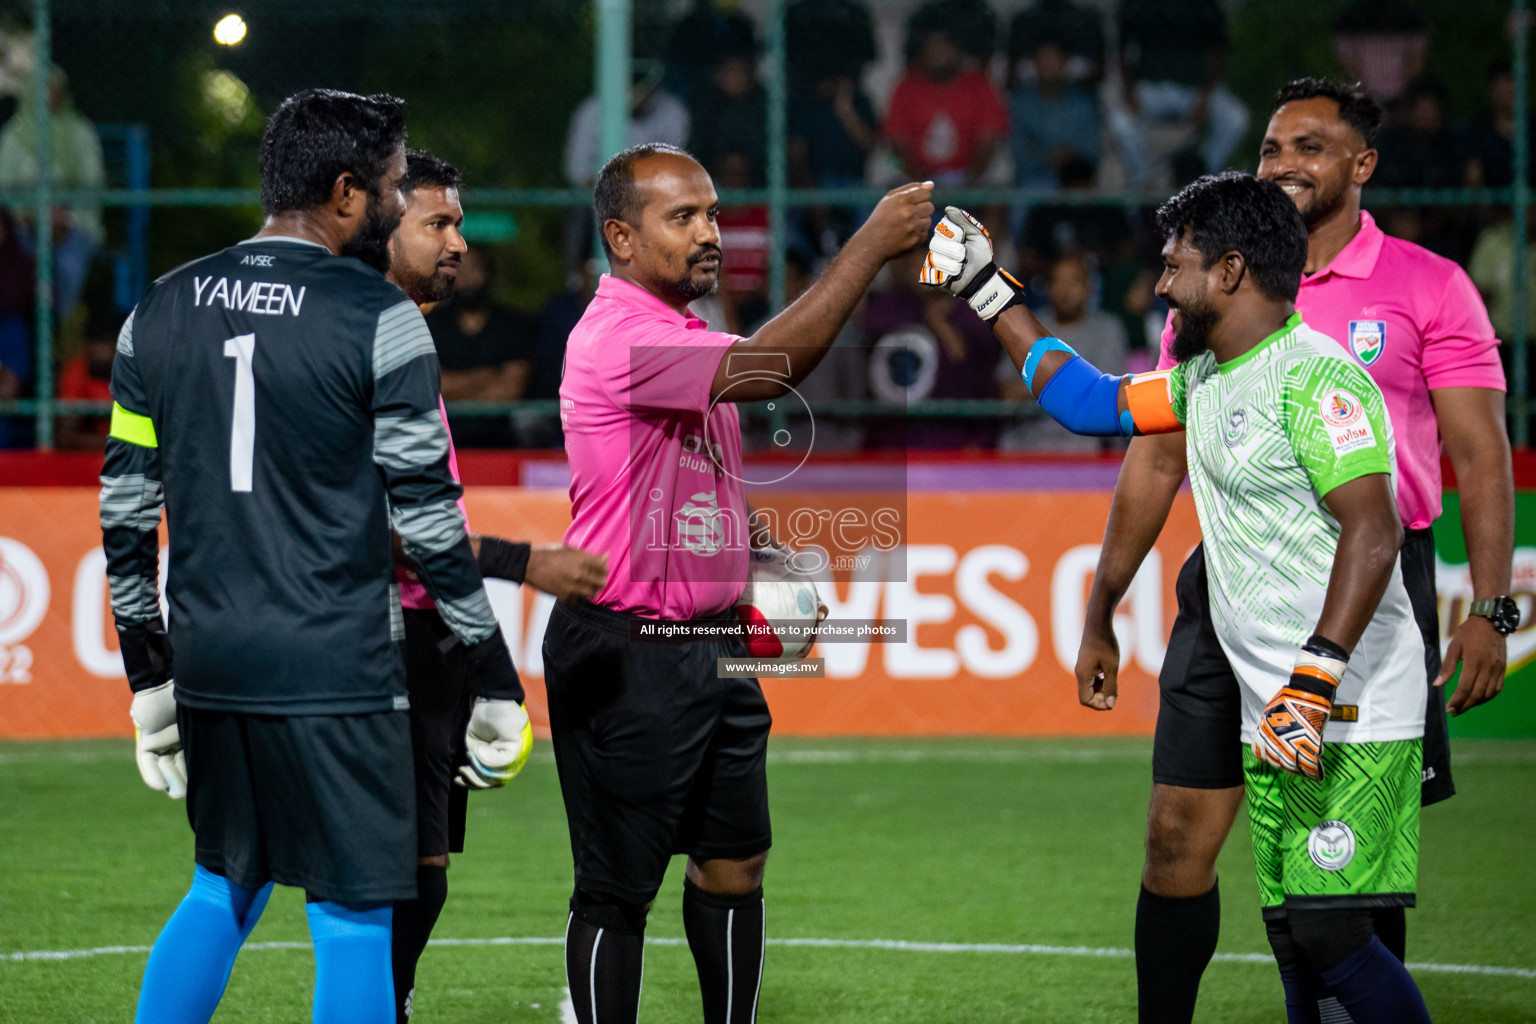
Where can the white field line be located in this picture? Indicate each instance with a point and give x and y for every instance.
(892, 945)
(875, 755)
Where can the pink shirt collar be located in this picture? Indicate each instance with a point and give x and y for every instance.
(1358, 258)
(632, 295)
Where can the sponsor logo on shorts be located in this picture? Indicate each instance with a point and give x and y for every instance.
(1367, 339)
(1331, 845)
(1344, 415)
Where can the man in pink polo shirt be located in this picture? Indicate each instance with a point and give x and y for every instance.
(1416, 324)
(657, 754)
(424, 254)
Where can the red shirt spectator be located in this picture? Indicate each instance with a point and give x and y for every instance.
(744, 238)
(87, 378)
(945, 121)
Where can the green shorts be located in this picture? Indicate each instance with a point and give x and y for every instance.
(1351, 840)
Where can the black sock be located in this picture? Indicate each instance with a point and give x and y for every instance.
(1175, 939)
(726, 935)
(413, 923)
(604, 959)
(1391, 925)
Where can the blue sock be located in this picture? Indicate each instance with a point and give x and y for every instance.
(354, 983)
(1375, 987)
(1300, 1003)
(195, 952)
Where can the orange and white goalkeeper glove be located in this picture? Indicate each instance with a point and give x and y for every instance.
(960, 261)
(1291, 726)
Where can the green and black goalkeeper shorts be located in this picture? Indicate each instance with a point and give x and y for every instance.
(1351, 840)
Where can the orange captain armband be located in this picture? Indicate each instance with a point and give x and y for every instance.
(1149, 401)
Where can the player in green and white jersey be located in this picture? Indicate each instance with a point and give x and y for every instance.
(1291, 458)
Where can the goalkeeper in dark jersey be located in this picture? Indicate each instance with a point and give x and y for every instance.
(424, 255)
(279, 400)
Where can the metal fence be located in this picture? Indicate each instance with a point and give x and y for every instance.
(568, 49)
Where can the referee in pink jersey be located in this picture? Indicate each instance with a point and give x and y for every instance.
(657, 754)
(1416, 324)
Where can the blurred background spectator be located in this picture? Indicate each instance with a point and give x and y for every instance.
(1492, 269)
(1096, 336)
(1382, 45)
(87, 377)
(1417, 148)
(77, 164)
(841, 375)
(946, 120)
(1052, 119)
(832, 125)
(1053, 230)
(655, 115)
(924, 345)
(485, 351)
(1489, 145)
(745, 245)
(1173, 68)
(730, 107)
(1077, 30)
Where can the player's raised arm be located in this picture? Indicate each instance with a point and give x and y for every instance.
(804, 331)
(132, 500)
(411, 450)
(1070, 389)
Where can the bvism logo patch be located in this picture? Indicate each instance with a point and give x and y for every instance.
(1367, 340)
(1344, 417)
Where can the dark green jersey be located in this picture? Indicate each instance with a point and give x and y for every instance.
(284, 401)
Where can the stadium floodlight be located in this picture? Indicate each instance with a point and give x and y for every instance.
(229, 30)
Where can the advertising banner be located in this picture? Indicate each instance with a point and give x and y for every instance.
(1513, 712)
(991, 586)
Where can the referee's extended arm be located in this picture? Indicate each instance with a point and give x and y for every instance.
(804, 331)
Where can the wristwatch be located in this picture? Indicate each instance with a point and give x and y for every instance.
(1503, 612)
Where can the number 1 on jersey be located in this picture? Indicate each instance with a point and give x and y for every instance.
(242, 434)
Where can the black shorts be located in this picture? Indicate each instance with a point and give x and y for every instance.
(436, 677)
(1198, 743)
(321, 802)
(656, 754)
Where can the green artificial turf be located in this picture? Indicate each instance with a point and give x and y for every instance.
(1009, 842)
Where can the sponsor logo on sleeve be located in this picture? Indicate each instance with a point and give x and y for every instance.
(1331, 845)
(1344, 417)
(1367, 340)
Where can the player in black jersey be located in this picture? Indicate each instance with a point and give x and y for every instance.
(279, 400)
(424, 255)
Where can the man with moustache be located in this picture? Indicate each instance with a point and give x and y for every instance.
(1415, 323)
(424, 256)
(278, 400)
(1291, 460)
(657, 753)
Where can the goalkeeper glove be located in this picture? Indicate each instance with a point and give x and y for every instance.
(496, 743)
(157, 740)
(960, 261)
(1291, 726)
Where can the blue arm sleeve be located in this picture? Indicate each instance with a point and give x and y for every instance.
(1084, 400)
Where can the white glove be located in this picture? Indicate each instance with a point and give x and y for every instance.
(497, 743)
(157, 740)
(960, 261)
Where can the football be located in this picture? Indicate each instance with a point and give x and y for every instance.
(778, 607)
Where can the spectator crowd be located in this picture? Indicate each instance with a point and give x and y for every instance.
(1063, 98)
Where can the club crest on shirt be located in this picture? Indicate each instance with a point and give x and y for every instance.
(1344, 416)
(1237, 428)
(1367, 340)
